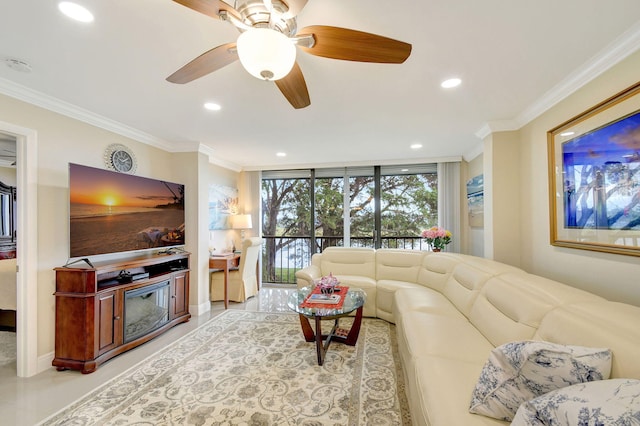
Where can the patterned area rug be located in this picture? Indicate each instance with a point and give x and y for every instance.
(251, 368)
(8, 347)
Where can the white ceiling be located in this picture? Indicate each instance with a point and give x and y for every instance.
(514, 57)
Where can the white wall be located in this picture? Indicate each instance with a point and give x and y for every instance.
(501, 164)
(612, 276)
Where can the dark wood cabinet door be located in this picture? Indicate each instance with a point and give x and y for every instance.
(109, 320)
(179, 304)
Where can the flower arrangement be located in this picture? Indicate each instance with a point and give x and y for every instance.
(327, 283)
(436, 237)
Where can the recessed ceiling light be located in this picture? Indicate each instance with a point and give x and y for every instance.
(281, 154)
(404, 170)
(567, 134)
(211, 106)
(452, 82)
(416, 146)
(75, 11)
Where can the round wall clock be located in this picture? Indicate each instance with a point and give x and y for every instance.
(120, 158)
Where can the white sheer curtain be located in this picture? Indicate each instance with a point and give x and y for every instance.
(449, 202)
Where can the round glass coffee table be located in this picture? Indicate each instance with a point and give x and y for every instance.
(353, 301)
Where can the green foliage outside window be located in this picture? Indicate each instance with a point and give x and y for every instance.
(408, 204)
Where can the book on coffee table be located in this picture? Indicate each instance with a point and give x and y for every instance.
(327, 299)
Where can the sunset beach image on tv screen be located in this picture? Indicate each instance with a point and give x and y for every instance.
(112, 212)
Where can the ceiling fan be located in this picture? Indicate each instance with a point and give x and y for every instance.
(267, 44)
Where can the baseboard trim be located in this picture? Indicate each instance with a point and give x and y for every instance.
(197, 310)
(44, 362)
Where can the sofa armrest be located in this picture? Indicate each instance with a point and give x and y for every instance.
(306, 276)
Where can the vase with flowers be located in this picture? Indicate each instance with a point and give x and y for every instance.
(327, 284)
(436, 237)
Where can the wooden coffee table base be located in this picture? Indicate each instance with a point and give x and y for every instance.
(340, 335)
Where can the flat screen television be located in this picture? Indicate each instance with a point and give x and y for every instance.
(111, 212)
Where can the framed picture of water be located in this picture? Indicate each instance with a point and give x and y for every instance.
(594, 177)
(223, 203)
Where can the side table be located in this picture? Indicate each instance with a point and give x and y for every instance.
(353, 301)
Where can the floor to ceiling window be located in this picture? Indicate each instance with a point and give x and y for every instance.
(286, 224)
(306, 211)
(408, 205)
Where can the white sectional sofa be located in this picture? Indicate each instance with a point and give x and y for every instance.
(452, 310)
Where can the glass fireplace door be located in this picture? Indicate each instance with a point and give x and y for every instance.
(145, 309)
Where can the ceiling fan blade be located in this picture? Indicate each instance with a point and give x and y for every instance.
(294, 88)
(352, 45)
(210, 8)
(206, 63)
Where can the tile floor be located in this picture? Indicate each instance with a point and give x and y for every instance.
(29, 401)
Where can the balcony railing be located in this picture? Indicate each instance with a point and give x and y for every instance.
(283, 256)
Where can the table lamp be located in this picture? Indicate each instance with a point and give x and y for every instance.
(241, 222)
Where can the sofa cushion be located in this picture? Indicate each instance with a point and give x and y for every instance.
(519, 371)
(447, 336)
(436, 269)
(463, 286)
(356, 281)
(349, 261)
(422, 300)
(398, 265)
(386, 290)
(366, 284)
(605, 324)
(439, 390)
(502, 321)
(605, 402)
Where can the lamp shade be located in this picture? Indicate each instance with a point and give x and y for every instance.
(265, 53)
(241, 221)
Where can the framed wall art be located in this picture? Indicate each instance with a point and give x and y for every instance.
(594, 177)
(223, 203)
(475, 201)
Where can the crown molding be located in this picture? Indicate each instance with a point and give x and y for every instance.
(622, 47)
(210, 152)
(50, 103)
(612, 54)
(496, 126)
(206, 150)
(474, 152)
(226, 164)
(371, 163)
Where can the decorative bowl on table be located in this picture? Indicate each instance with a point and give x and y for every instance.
(327, 284)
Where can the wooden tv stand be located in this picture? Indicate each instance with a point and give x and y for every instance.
(90, 306)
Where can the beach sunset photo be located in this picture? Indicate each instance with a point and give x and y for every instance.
(113, 212)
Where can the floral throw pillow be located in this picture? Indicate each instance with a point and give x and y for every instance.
(519, 371)
(605, 402)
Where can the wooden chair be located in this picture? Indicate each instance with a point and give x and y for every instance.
(243, 283)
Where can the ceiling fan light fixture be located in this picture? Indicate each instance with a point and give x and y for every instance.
(266, 54)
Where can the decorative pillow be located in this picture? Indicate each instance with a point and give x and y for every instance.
(519, 371)
(606, 402)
